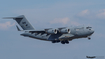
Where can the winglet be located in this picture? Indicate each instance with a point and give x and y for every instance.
(18, 28)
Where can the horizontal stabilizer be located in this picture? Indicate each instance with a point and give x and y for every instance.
(11, 17)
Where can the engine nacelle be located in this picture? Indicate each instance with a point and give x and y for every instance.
(51, 31)
(64, 31)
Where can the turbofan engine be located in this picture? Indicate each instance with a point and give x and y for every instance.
(64, 31)
(51, 31)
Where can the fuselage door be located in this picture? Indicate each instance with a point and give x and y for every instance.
(79, 31)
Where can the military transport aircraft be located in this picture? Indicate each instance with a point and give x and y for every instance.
(63, 35)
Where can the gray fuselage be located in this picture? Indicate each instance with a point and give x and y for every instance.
(75, 32)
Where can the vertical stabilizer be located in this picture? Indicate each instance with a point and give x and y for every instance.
(23, 22)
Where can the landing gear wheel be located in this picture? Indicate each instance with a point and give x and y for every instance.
(54, 41)
(62, 42)
(58, 41)
(67, 42)
(89, 38)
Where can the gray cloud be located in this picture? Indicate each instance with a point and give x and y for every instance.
(6, 25)
(88, 14)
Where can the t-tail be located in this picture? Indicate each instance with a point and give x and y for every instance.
(22, 21)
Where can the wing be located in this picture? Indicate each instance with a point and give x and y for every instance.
(52, 36)
(61, 37)
(32, 31)
(36, 31)
(48, 31)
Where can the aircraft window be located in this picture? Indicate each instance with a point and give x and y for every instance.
(88, 27)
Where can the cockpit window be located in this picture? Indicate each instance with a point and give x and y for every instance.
(88, 27)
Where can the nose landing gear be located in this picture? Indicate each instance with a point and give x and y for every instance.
(89, 38)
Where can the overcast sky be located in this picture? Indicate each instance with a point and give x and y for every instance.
(52, 14)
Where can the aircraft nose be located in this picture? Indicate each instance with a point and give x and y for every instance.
(92, 31)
